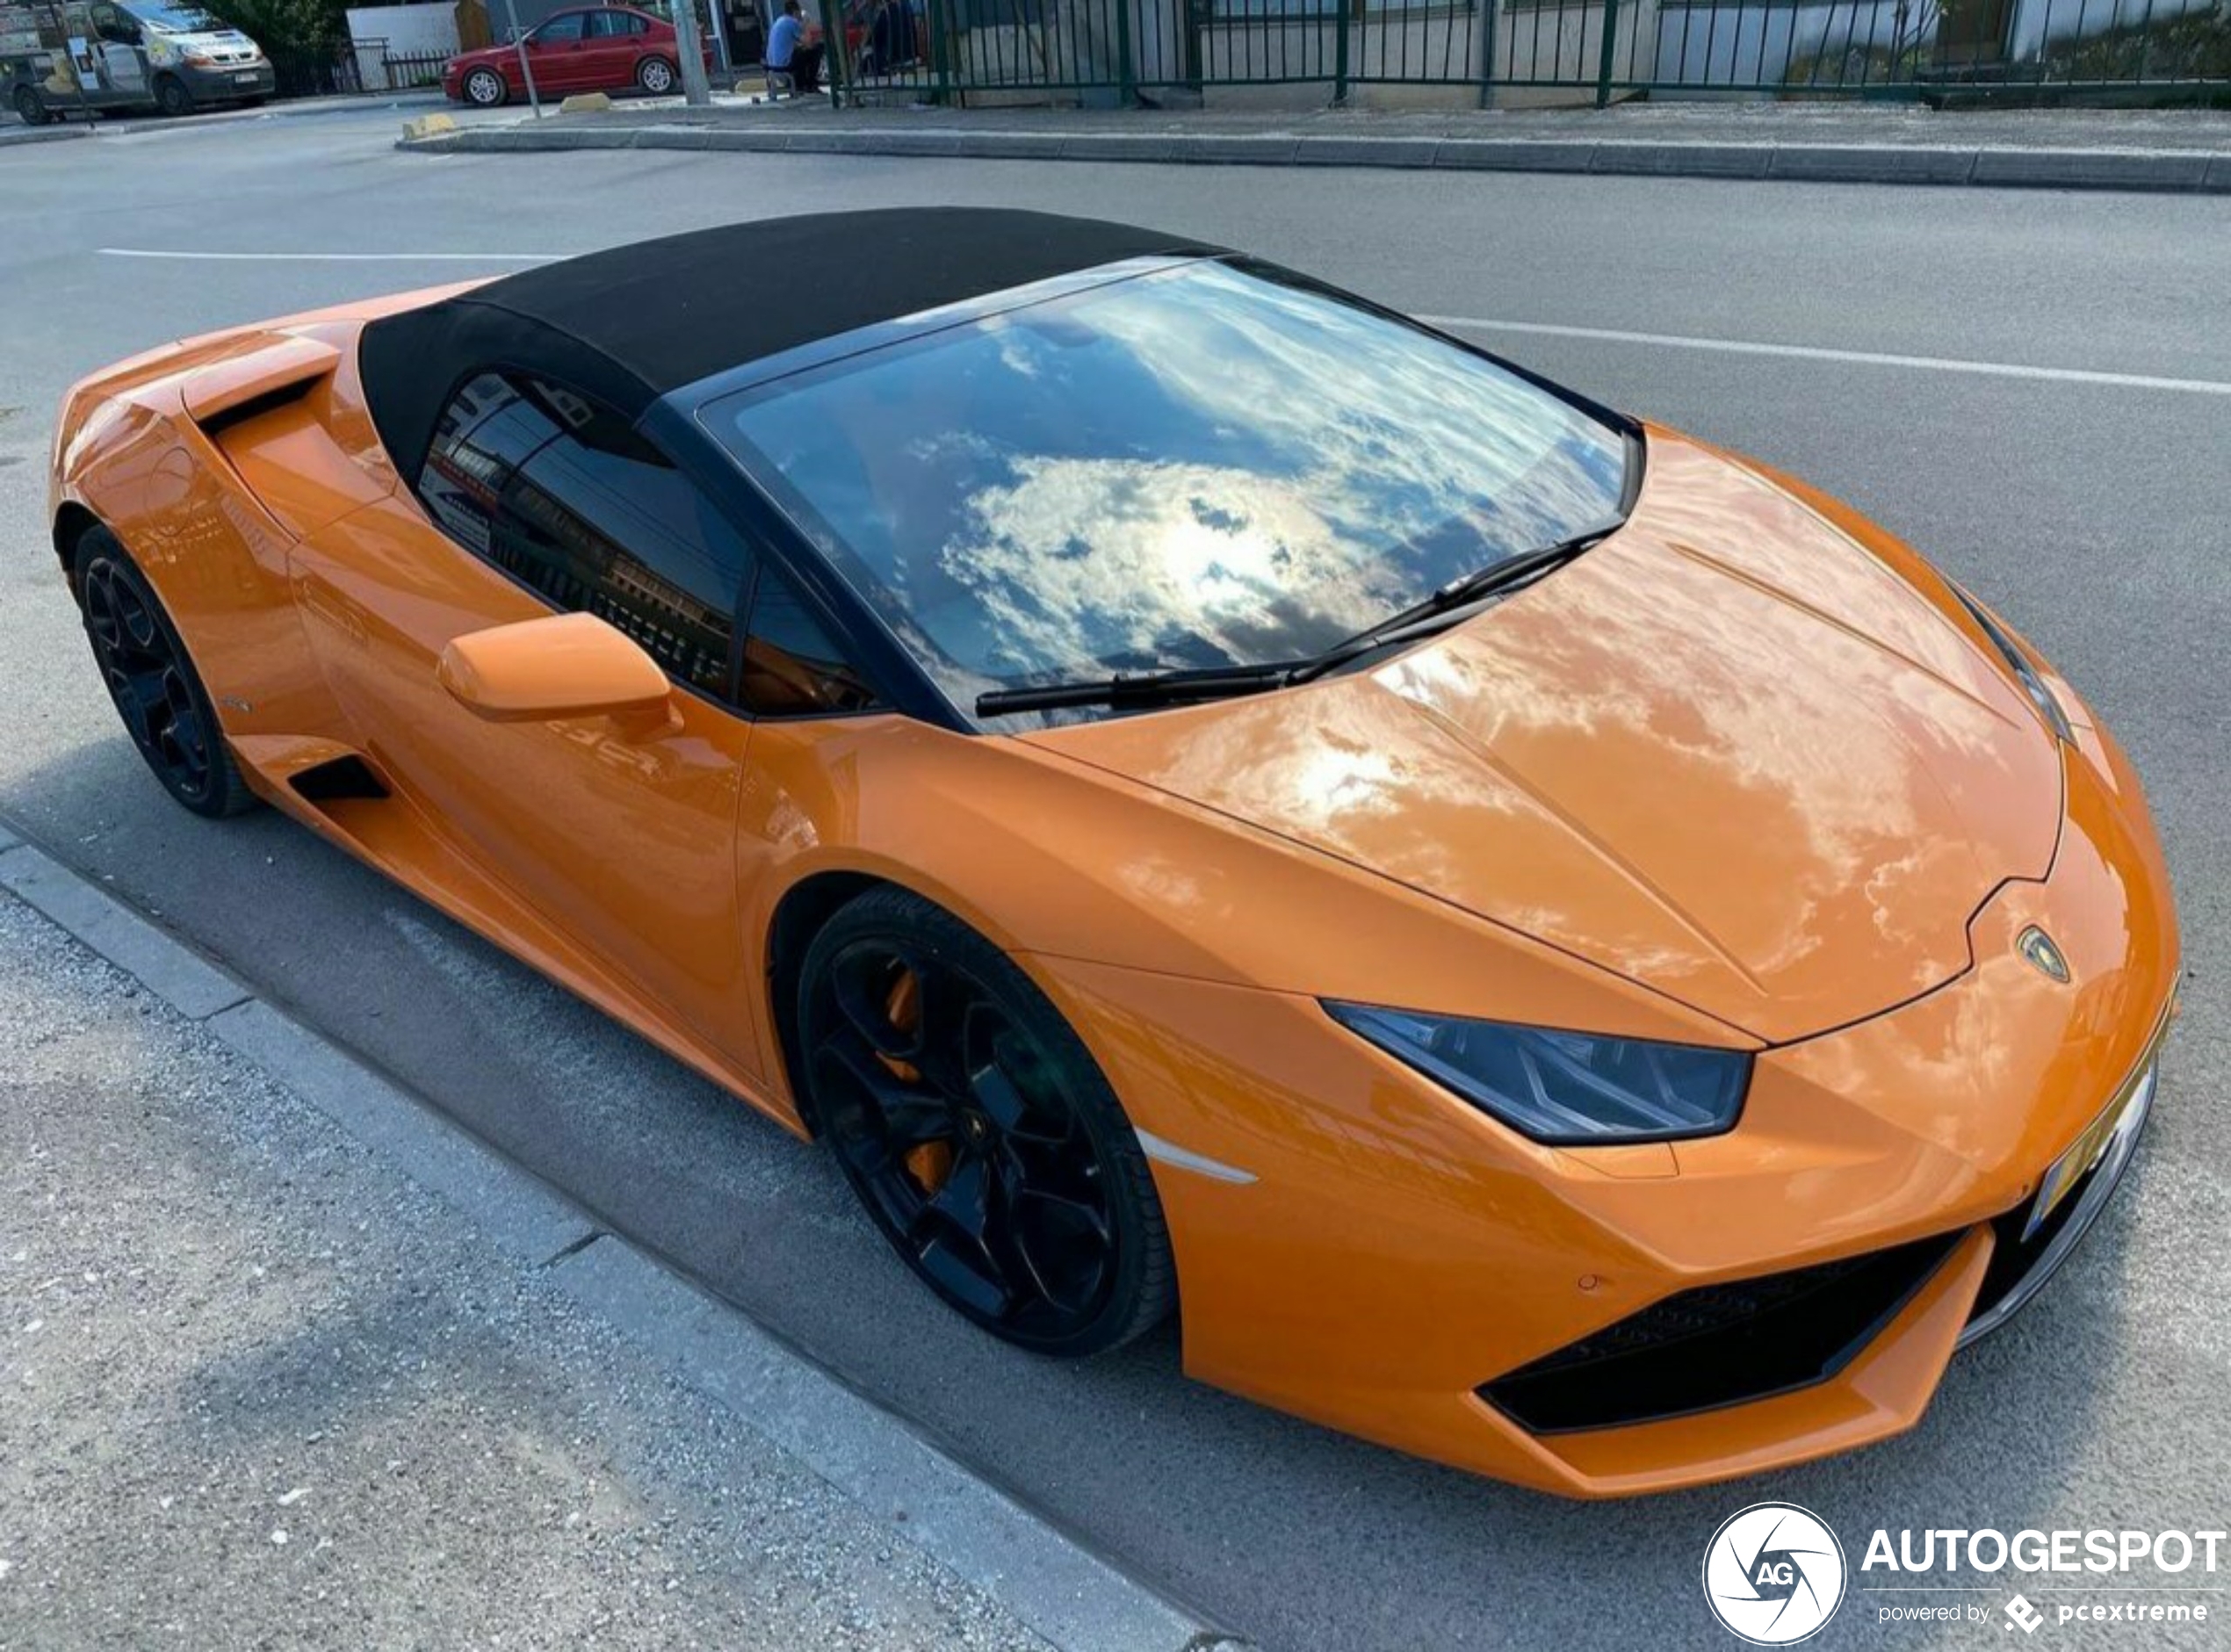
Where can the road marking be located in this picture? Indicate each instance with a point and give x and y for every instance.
(336, 257)
(1461, 323)
(1814, 352)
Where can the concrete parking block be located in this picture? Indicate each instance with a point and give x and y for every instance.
(165, 966)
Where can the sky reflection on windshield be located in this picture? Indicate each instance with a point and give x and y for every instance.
(1199, 468)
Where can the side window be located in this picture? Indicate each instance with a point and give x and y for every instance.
(559, 492)
(614, 24)
(561, 30)
(791, 668)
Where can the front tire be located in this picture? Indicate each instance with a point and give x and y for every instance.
(656, 76)
(485, 88)
(30, 106)
(173, 98)
(978, 1131)
(156, 690)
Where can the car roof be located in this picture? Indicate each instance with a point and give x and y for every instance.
(634, 323)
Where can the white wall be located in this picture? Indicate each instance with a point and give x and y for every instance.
(408, 31)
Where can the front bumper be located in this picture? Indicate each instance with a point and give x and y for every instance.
(225, 82)
(1382, 1255)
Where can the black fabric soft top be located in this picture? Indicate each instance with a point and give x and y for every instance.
(629, 324)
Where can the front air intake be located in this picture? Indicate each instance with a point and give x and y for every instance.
(1720, 1345)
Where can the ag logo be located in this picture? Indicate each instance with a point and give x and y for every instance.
(1773, 1574)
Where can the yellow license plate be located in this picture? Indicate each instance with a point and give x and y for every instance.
(2082, 1154)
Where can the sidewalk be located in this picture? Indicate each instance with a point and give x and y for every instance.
(260, 1387)
(2179, 150)
(12, 131)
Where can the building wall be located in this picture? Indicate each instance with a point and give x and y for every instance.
(408, 31)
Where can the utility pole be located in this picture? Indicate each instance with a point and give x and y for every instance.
(696, 90)
(519, 45)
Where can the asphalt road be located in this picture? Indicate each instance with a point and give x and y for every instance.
(2095, 512)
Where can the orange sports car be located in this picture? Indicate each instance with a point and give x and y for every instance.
(1553, 946)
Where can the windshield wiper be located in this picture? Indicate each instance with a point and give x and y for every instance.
(1147, 687)
(1452, 604)
(1456, 601)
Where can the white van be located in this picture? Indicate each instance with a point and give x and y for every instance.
(61, 55)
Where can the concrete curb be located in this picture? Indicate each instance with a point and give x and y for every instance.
(10, 136)
(1062, 1591)
(2170, 171)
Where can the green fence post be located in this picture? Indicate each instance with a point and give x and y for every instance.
(941, 50)
(1340, 55)
(840, 67)
(1126, 69)
(1603, 59)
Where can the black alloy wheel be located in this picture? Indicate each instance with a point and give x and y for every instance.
(157, 693)
(978, 1131)
(31, 106)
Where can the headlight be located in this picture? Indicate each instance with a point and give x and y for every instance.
(1565, 1089)
(2025, 673)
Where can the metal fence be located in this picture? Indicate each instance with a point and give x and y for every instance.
(352, 66)
(1111, 51)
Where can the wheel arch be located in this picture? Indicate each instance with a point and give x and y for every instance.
(804, 907)
(72, 522)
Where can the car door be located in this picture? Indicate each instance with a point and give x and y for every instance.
(610, 53)
(558, 53)
(620, 837)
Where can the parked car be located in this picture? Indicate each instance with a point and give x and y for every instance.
(124, 55)
(1556, 946)
(595, 49)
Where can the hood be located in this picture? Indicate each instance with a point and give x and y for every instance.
(209, 40)
(1728, 754)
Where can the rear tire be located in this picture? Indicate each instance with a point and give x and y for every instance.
(173, 98)
(656, 77)
(30, 106)
(151, 680)
(978, 1131)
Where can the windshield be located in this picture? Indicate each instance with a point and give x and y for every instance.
(1206, 466)
(176, 19)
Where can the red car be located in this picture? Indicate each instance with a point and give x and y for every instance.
(597, 48)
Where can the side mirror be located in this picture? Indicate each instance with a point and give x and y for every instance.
(568, 665)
